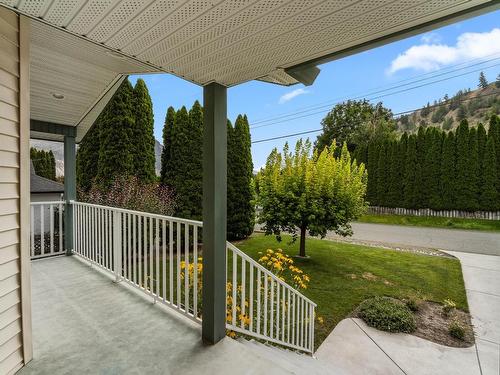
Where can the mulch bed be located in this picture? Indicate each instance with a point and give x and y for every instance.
(432, 325)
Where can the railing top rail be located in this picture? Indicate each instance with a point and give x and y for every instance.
(48, 202)
(157, 216)
(268, 273)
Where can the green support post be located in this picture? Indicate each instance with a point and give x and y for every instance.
(214, 212)
(69, 190)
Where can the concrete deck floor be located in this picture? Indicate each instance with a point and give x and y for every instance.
(83, 323)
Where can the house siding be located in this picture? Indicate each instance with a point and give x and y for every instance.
(12, 338)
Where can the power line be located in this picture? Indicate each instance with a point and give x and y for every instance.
(371, 98)
(395, 114)
(329, 102)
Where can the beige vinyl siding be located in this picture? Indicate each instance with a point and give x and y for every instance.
(11, 322)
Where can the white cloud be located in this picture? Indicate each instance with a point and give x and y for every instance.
(431, 55)
(430, 38)
(292, 94)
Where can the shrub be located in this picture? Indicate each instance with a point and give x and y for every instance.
(387, 314)
(132, 194)
(413, 302)
(448, 306)
(456, 329)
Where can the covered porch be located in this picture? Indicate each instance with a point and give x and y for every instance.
(83, 322)
(60, 63)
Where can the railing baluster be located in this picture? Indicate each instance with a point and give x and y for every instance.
(264, 328)
(277, 332)
(164, 260)
(271, 313)
(139, 249)
(60, 228)
(171, 260)
(243, 294)
(134, 248)
(250, 296)
(178, 245)
(151, 243)
(51, 226)
(195, 273)
(302, 322)
(186, 268)
(157, 257)
(289, 302)
(32, 226)
(145, 253)
(129, 247)
(283, 305)
(42, 231)
(258, 299)
(235, 288)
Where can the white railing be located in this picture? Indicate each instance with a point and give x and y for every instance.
(159, 255)
(150, 252)
(46, 232)
(261, 305)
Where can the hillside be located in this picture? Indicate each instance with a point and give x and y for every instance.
(58, 150)
(447, 112)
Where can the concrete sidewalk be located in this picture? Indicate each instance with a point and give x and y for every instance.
(358, 349)
(482, 282)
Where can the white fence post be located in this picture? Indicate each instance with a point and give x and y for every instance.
(117, 245)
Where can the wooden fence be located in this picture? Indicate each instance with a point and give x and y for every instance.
(487, 215)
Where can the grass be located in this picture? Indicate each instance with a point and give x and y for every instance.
(343, 275)
(437, 222)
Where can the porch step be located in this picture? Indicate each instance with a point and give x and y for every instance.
(289, 360)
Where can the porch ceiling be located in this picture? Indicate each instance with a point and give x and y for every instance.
(80, 47)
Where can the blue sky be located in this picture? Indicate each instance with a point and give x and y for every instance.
(469, 42)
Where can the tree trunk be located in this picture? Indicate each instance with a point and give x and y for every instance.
(302, 247)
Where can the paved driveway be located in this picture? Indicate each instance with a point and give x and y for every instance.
(446, 239)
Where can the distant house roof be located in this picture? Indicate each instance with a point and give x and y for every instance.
(43, 185)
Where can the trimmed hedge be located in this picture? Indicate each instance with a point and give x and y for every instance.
(387, 314)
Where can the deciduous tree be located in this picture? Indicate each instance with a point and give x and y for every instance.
(310, 193)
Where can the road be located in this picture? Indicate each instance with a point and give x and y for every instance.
(468, 241)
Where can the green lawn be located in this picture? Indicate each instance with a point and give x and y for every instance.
(343, 275)
(438, 222)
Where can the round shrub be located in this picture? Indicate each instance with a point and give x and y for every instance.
(387, 314)
(456, 329)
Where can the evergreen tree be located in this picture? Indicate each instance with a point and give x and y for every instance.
(494, 133)
(240, 212)
(143, 141)
(393, 178)
(115, 133)
(420, 173)
(52, 165)
(489, 198)
(382, 172)
(448, 165)
(497, 82)
(410, 182)
(184, 174)
(481, 144)
(44, 163)
(87, 156)
(473, 182)
(483, 83)
(373, 154)
(401, 166)
(462, 168)
(166, 157)
(433, 165)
